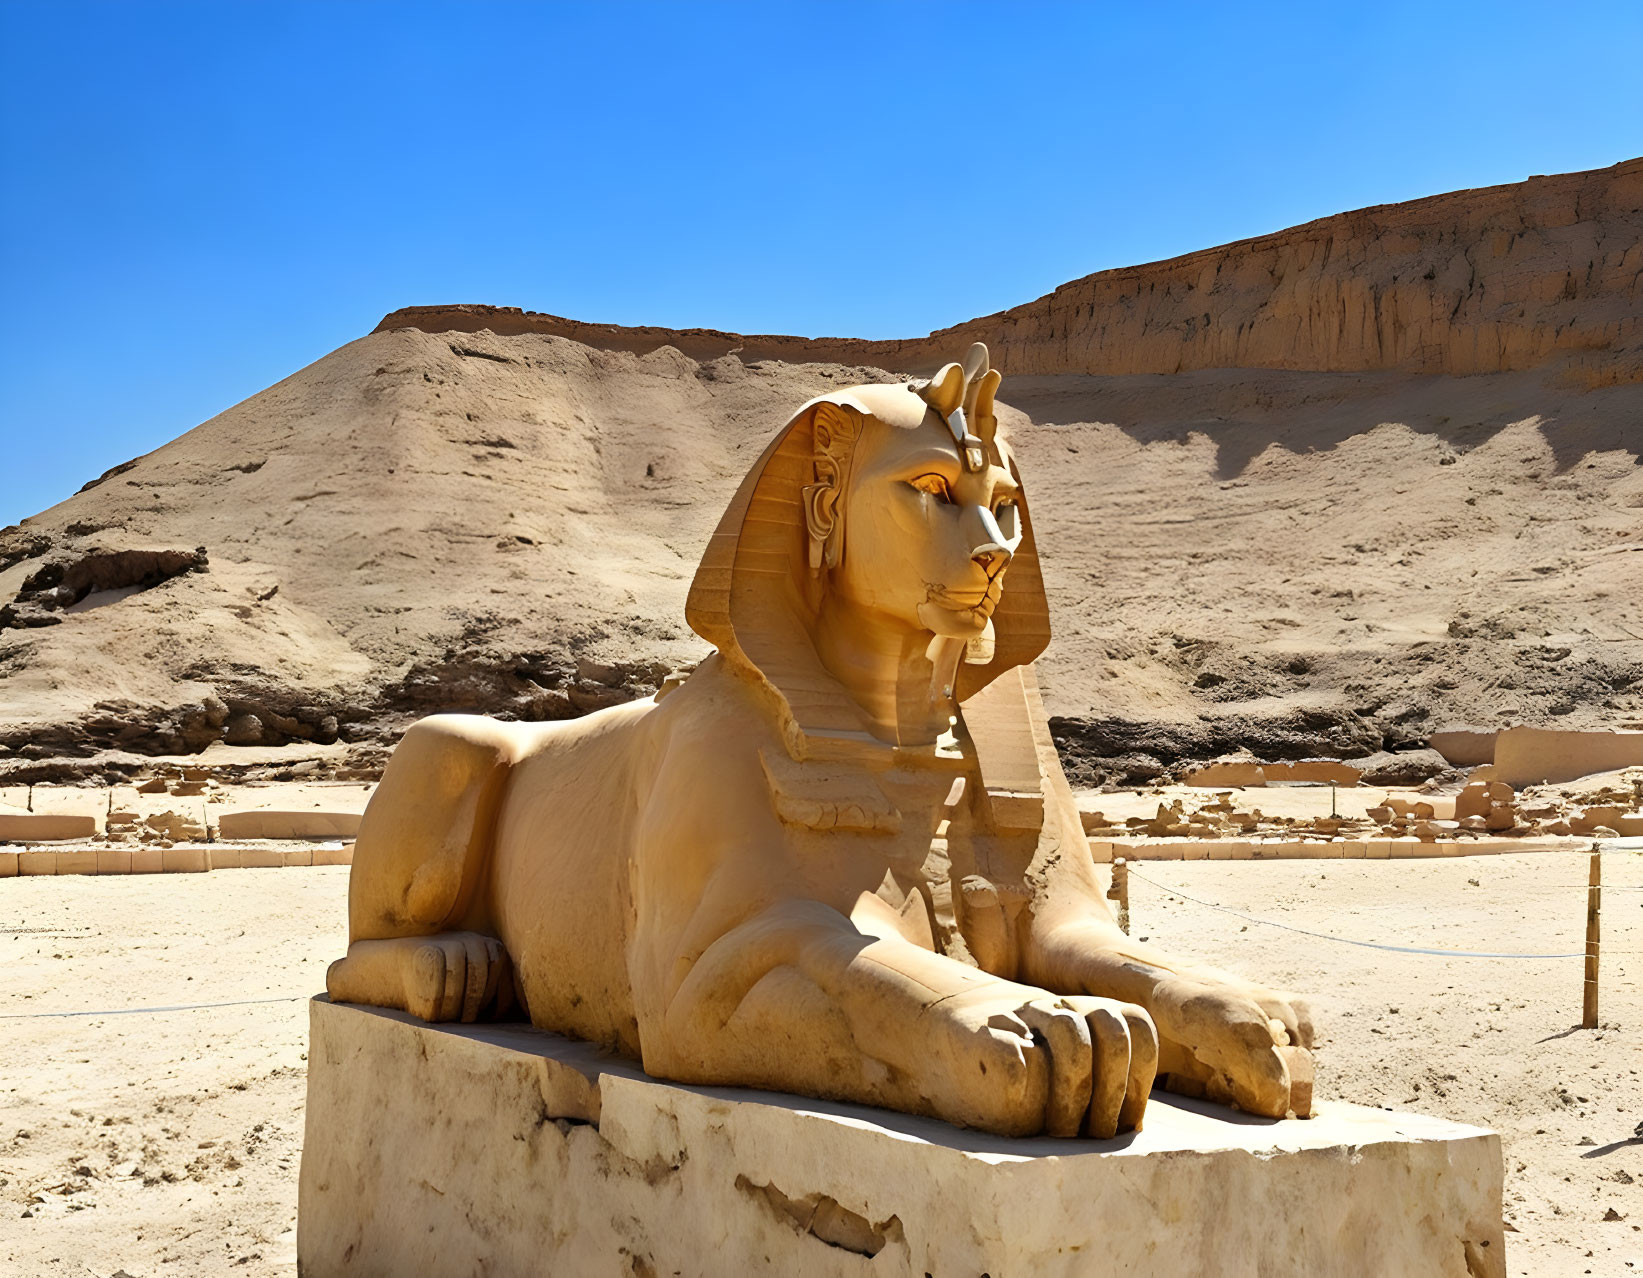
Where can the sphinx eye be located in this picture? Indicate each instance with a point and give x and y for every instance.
(935, 485)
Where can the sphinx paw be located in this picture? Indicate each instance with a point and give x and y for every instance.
(1236, 1044)
(457, 976)
(1097, 1058)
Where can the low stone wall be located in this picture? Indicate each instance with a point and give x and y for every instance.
(1535, 756)
(1464, 748)
(1235, 774)
(261, 823)
(183, 858)
(42, 827)
(1317, 849)
(1530, 756)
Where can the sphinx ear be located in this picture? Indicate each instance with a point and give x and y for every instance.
(821, 519)
(834, 430)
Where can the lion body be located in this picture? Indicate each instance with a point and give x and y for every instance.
(621, 846)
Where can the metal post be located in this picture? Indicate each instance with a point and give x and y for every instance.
(1594, 909)
(1120, 892)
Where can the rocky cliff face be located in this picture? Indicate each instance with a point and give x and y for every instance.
(1502, 279)
(1497, 280)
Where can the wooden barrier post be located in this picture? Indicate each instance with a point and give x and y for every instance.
(1120, 892)
(1594, 908)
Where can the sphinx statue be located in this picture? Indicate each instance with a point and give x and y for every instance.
(840, 857)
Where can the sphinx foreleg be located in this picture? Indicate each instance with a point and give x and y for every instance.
(417, 920)
(1219, 1035)
(802, 1000)
(450, 976)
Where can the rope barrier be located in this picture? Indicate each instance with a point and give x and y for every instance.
(1344, 940)
(59, 931)
(135, 1011)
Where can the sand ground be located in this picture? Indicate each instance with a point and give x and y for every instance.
(167, 1142)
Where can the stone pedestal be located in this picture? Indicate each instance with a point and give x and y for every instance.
(505, 1151)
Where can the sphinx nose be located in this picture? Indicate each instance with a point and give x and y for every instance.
(992, 558)
(993, 552)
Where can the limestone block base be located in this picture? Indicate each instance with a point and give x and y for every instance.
(503, 1151)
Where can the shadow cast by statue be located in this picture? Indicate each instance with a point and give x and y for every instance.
(1246, 411)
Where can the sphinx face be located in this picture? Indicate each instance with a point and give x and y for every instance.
(926, 542)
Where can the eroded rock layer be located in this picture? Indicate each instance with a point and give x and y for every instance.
(1501, 279)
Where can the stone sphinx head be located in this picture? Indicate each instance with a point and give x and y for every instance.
(884, 529)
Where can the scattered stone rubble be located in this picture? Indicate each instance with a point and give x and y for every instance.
(1484, 807)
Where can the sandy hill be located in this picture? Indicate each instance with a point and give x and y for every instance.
(1322, 491)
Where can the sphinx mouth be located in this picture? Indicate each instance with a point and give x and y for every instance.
(980, 603)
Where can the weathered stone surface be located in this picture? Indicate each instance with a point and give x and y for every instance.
(76, 861)
(174, 825)
(1464, 747)
(1225, 773)
(260, 824)
(1528, 756)
(42, 827)
(506, 1151)
(334, 856)
(1313, 772)
(185, 860)
(65, 581)
(147, 860)
(1402, 767)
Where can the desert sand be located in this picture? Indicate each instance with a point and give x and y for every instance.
(167, 1142)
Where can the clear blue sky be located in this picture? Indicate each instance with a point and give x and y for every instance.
(198, 199)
